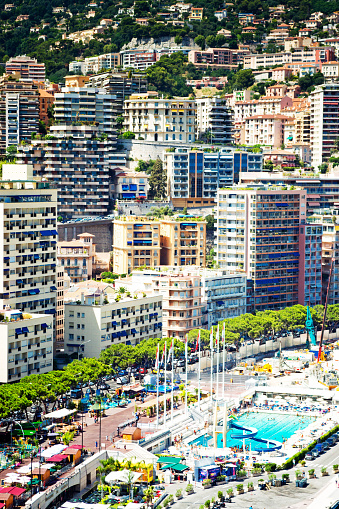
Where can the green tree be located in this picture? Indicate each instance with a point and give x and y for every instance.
(269, 165)
(157, 180)
(200, 41)
(11, 152)
(244, 79)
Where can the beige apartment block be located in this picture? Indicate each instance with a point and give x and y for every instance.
(156, 119)
(136, 243)
(183, 242)
(144, 242)
(77, 256)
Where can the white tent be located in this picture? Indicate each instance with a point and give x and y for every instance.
(58, 414)
(126, 476)
(55, 449)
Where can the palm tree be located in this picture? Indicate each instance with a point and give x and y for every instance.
(149, 495)
(101, 471)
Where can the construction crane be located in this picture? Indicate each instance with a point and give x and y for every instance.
(311, 330)
(325, 312)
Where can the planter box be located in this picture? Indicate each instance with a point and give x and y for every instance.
(206, 486)
(335, 471)
(323, 474)
(189, 492)
(218, 483)
(250, 488)
(240, 492)
(179, 498)
(257, 474)
(277, 482)
(311, 476)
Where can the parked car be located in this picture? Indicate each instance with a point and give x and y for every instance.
(122, 380)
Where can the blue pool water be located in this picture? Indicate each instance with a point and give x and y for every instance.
(270, 425)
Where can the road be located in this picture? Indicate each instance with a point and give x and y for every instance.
(317, 495)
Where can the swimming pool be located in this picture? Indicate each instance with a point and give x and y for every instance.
(270, 425)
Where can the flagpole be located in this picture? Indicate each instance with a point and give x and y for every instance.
(218, 360)
(158, 385)
(165, 384)
(172, 381)
(211, 348)
(223, 360)
(186, 409)
(199, 372)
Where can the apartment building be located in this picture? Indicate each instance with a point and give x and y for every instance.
(183, 242)
(136, 243)
(312, 273)
(330, 70)
(19, 111)
(138, 59)
(96, 318)
(324, 121)
(193, 177)
(326, 223)
(46, 101)
(214, 120)
(223, 295)
(129, 185)
(28, 217)
(86, 104)
(217, 58)
(92, 65)
(196, 14)
(153, 118)
(26, 341)
(122, 84)
(76, 257)
(182, 304)
(264, 130)
(78, 159)
(149, 242)
(312, 54)
(260, 233)
(266, 105)
(28, 68)
(63, 283)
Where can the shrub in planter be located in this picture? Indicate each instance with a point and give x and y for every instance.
(178, 493)
(230, 492)
(165, 502)
(220, 495)
(213, 500)
(324, 471)
(270, 467)
(335, 467)
(189, 488)
(250, 486)
(272, 477)
(170, 499)
(311, 473)
(240, 487)
(303, 463)
(298, 474)
(256, 471)
(286, 477)
(206, 483)
(207, 504)
(241, 473)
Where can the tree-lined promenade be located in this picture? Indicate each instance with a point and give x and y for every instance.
(50, 387)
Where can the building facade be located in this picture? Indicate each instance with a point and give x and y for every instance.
(136, 243)
(193, 177)
(88, 105)
(152, 118)
(99, 322)
(92, 65)
(324, 121)
(76, 257)
(214, 120)
(264, 130)
(79, 160)
(19, 111)
(258, 233)
(223, 295)
(183, 243)
(28, 215)
(28, 68)
(313, 54)
(26, 344)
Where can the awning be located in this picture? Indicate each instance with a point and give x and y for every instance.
(125, 476)
(58, 414)
(25, 330)
(179, 467)
(57, 458)
(168, 459)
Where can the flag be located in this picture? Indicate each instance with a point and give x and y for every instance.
(198, 342)
(223, 333)
(163, 355)
(211, 339)
(217, 337)
(157, 358)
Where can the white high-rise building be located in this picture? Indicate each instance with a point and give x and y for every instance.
(28, 215)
